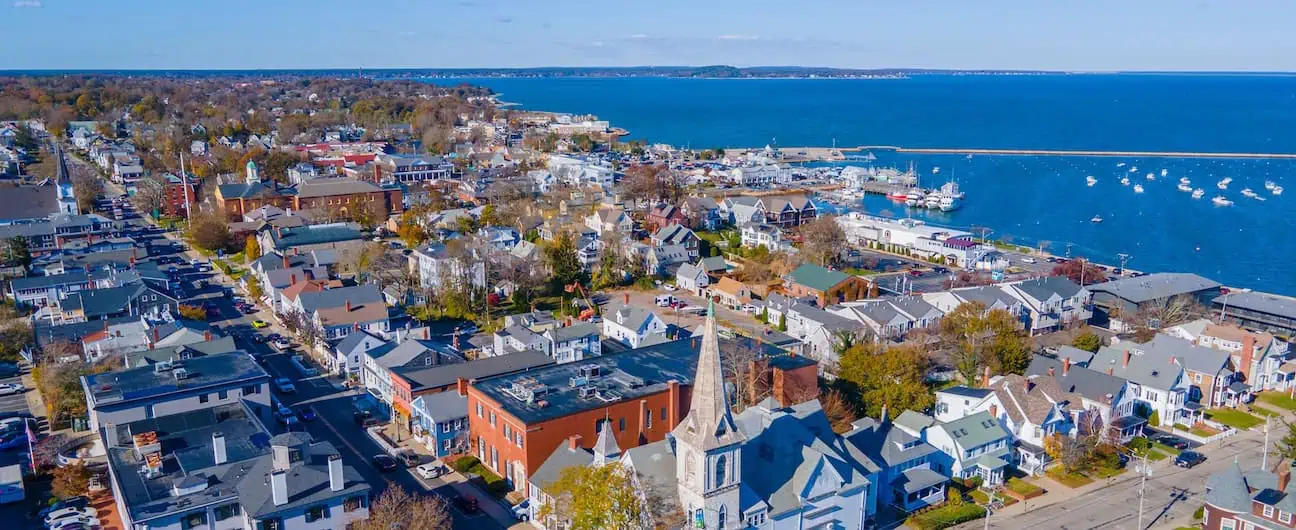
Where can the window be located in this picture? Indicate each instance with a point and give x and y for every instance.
(251, 389)
(223, 394)
(1284, 517)
(492, 418)
(648, 420)
(720, 518)
(226, 511)
(1196, 378)
(352, 504)
(1268, 511)
(1228, 524)
(202, 398)
(720, 473)
(479, 410)
(315, 513)
(621, 425)
(270, 524)
(445, 427)
(194, 520)
(663, 416)
(294, 456)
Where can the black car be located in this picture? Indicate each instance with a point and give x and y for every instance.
(385, 463)
(1172, 441)
(466, 504)
(365, 418)
(1189, 459)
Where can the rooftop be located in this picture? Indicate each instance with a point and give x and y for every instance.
(327, 187)
(546, 393)
(1272, 304)
(314, 235)
(148, 382)
(421, 378)
(816, 277)
(1155, 286)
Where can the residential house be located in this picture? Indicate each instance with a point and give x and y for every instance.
(678, 235)
(515, 339)
(1032, 409)
(826, 286)
(701, 213)
(1108, 400)
(973, 446)
(1159, 385)
(692, 279)
(890, 318)
(440, 422)
(339, 311)
(763, 235)
(134, 299)
(1262, 360)
(380, 363)
(910, 475)
(135, 394)
(435, 263)
(1257, 499)
(991, 296)
(631, 324)
(610, 220)
(1051, 302)
(343, 238)
(664, 215)
(820, 331)
(572, 343)
(1212, 374)
(742, 211)
(350, 352)
(731, 292)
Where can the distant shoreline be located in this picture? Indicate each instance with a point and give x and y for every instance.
(707, 73)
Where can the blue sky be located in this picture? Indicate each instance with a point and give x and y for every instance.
(1247, 35)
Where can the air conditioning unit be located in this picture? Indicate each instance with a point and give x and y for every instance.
(180, 373)
(162, 366)
(587, 392)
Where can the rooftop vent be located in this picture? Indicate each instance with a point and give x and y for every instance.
(608, 395)
(180, 374)
(527, 389)
(589, 371)
(630, 381)
(588, 391)
(163, 366)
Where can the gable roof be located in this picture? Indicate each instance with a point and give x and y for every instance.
(1032, 399)
(421, 377)
(1044, 287)
(974, 430)
(1091, 384)
(328, 187)
(816, 277)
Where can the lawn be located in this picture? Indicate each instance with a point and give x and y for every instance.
(1157, 456)
(1278, 399)
(1022, 487)
(982, 498)
(945, 516)
(1070, 480)
(1257, 409)
(1203, 431)
(1234, 418)
(1165, 449)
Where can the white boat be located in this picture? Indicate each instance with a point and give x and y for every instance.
(1219, 200)
(1184, 181)
(1133, 169)
(1223, 184)
(1199, 193)
(1120, 164)
(933, 201)
(1269, 185)
(1277, 190)
(1246, 192)
(1096, 219)
(1185, 188)
(1125, 181)
(1150, 176)
(1138, 188)
(948, 203)
(1164, 172)
(1259, 198)
(870, 156)
(911, 202)
(935, 170)
(1090, 180)
(951, 189)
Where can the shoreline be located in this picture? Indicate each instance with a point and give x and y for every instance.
(843, 154)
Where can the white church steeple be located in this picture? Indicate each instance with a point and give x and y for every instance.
(67, 202)
(709, 444)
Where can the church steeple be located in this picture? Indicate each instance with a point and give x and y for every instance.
(67, 202)
(709, 423)
(606, 448)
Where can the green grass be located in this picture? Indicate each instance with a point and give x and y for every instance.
(1204, 432)
(1105, 472)
(945, 516)
(1070, 480)
(495, 485)
(1277, 399)
(1257, 409)
(1157, 456)
(1165, 449)
(1022, 487)
(1234, 418)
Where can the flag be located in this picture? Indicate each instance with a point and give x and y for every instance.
(31, 447)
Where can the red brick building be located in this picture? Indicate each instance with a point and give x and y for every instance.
(175, 195)
(1258, 499)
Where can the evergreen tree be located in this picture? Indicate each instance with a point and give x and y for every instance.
(1287, 445)
(563, 262)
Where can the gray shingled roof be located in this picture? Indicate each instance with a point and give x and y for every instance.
(337, 297)
(885, 444)
(975, 430)
(561, 458)
(1091, 384)
(1156, 286)
(1259, 302)
(448, 374)
(1046, 286)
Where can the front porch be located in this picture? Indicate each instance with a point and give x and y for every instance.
(989, 467)
(1122, 430)
(918, 488)
(1030, 459)
(1236, 393)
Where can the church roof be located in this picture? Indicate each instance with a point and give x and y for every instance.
(709, 424)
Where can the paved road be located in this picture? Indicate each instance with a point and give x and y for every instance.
(1171, 494)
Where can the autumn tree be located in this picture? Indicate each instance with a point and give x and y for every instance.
(980, 338)
(71, 480)
(410, 231)
(87, 186)
(397, 508)
(1074, 454)
(1087, 341)
(839, 410)
(254, 287)
(1080, 271)
(595, 498)
(251, 249)
(193, 312)
(891, 377)
(823, 240)
(1170, 311)
(150, 195)
(209, 231)
(652, 182)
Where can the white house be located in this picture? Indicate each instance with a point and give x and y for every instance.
(1108, 401)
(572, 343)
(1030, 408)
(976, 445)
(610, 220)
(692, 278)
(1159, 385)
(763, 235)
(890, 318)
(1051, 302)
(632, 325)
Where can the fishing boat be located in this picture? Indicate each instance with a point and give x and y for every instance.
(1164, 172)
(1219, 200)
(948, 203)
(1120, 164)
(1277, 190)
(933, 201)
(1246, 192)
(1150, 176)
(1223, 184)
(1096, 219)
(1125, 181)
(1138, 188)
(1269, 185)
(1090, 180)
(951, 189)
(1185, 188)
(898, 196)
(1184, 181)
(1198, 193)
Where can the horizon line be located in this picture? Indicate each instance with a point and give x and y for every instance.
(917, 70)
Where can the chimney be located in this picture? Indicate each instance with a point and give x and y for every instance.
(1051, 371)
(279, 487)
(292, 279)
(336, 482)
(883, 420)
(1066, 366)
(627, 298)
(1284, 477)
(285, 261)
(461, 385)
(454, 342)
(218, 447)
(1172, 359)
(155, 335)
(994, 411)
(207, 336)
(985, 377)
(1125, 364)
(1248, 353)
(573, 442)
(348, 306)
(1109, 370)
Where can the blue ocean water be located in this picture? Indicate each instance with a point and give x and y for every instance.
(1024, 199)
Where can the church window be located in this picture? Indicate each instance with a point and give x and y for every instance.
(720, 472)
(720, 518)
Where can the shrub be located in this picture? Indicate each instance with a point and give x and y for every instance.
(1201, 512)
(1154, 419)
(1139, 444)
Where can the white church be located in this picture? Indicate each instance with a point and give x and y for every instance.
(770, 467)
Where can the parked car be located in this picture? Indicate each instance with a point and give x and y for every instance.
(308, 414)
(283, 384)
(281, 344)
(432, 470)
(9, 370)
(1172, 441)
(915, 273)
(1189, 459)
(366, 419)
(1029, 259)
(70, 502)
(385, 463)
(522, 511)
(65, 513)
(17, 440)
(259, 324)
(466, 504)
(9, 389)
(80, 521)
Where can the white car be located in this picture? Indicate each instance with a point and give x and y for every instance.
(66, 513)
(281, 344)
(1029, 259)
(8, 389)
(668, 287)
(432, 470)
(82, 520)
(522, 511)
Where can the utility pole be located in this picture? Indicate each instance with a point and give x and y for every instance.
(1123, 258)
(1068, 251)
(184, 182)
(1264, 455)
(1144, 471)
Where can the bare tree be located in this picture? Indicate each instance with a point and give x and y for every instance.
(1170, 311)
(150, 194)
(744, 367)
(822, 240)
(397, 508)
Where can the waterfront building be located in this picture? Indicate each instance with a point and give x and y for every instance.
(1259, 311)
(1134, 296)
(825, 286)
(411, 169)
(1051, 302)
(955, 247)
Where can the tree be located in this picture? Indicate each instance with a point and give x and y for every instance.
(150, 194)
(822, 240)
(892, 378)
(1081, 271)
(18, 249)
(193, 312)
(209, 231)
(1087, 341)
(1287, 444)
(837, 409)
(254, 287)
(1073, 453)
(782, 325)
(564, 265)
(87, 187)
(1169, 311)
(410, 231)
(397, 508)
(595, 498)
(980, 338)
(71, 480)
(251, 249)
(652, 182)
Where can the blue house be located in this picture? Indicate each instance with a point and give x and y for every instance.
(911, 474)
(440, 421)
